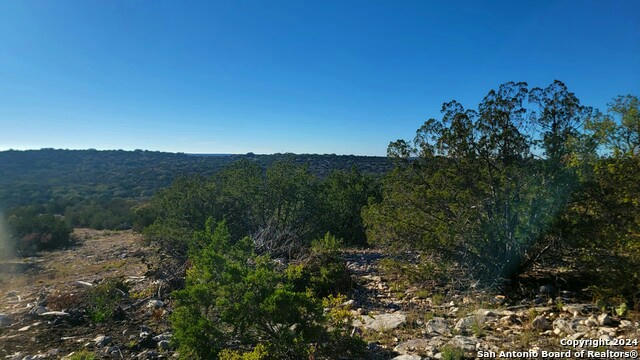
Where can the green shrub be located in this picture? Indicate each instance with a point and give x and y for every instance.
(323, 272)
(235, 298)
(452, 353)
(477, 327)
(31, 230)
(339, 320)
(103, 299)
(621, 310)
(233, 295)
(260, 352)
(425, 273)
(282, 207)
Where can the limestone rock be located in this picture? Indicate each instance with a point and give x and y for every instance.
(577, 309)
(576, 336)
(414, 346)
(592, 321)
(565, 326)
(466, 343)
(437, 325)
(155, 304)
(407, 357)
(102, 340)
(626, 324)
(606, 320)
(541, 323)
(54, 313)
(464, 324)
(381, 322)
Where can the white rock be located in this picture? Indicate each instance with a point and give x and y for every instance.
(626, 324)
(485, 313)
(349, 303)
(54, 313)
(591, 321)
(437, 325)
(576, 336)
(466, 343)
(576, 309)
(407, 357)
(464, 324)
(509, 320)
(163, 336)
(606, 320)
(155, 304)
(607, 330)
(564, 326)
(382, 322)
(102, 340)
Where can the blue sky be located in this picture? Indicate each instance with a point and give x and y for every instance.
(340, 77)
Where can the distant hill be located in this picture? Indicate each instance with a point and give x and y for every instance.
(36, 176)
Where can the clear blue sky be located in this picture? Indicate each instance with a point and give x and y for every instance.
(294, 76)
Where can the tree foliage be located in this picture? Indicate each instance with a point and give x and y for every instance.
(281, 208)
(493, 186)
(235, 300)
(30, 231)
(103, 189)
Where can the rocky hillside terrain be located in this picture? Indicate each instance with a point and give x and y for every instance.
(51, 308)
(413, 324)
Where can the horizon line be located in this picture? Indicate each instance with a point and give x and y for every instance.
(181, 152)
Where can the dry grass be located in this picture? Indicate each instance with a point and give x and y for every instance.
(97, 255)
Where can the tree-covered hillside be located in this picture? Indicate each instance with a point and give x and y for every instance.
(68, 176)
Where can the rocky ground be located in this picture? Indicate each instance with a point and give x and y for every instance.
(411, 324)
(38, 315)
(39, 318)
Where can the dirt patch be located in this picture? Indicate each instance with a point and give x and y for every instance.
(51, 281)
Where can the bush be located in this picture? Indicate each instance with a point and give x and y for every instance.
(113, 214)
(102, 300)
(237, 300)
(339, 319)
(31, 231)
(452, 353)
(323, 271)
(282, 207)
(233, 295)
(260, 352)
